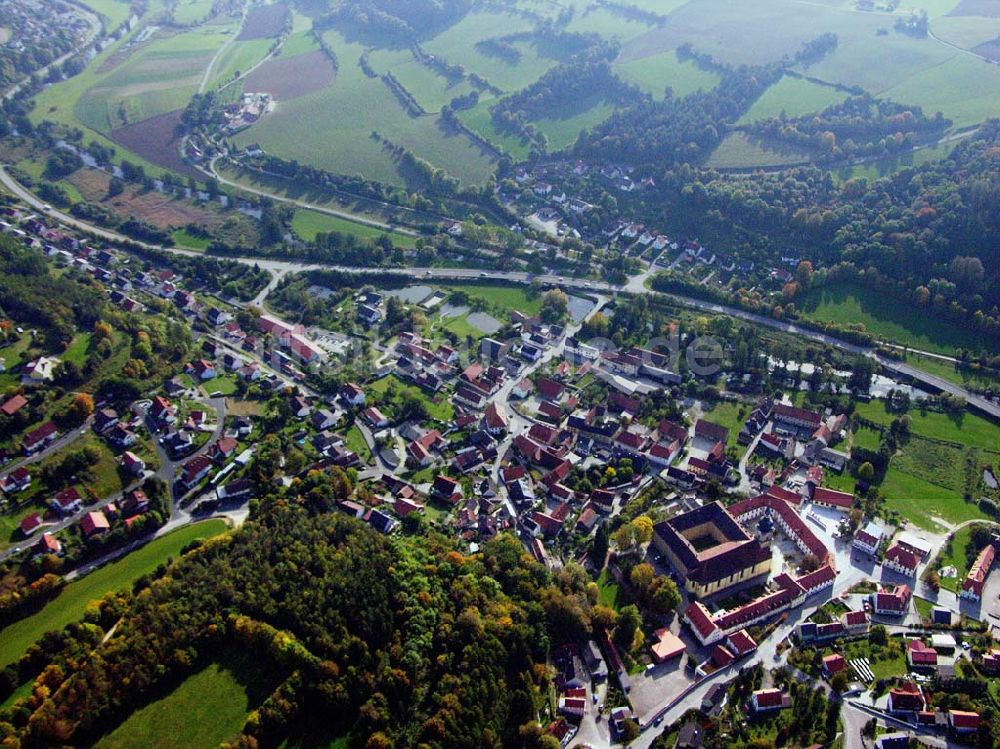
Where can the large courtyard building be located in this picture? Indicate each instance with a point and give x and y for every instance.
(711, 552)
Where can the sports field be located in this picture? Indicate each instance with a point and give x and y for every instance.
(70, 604)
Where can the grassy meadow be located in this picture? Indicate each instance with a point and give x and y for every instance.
(70, 604)
(885, 318)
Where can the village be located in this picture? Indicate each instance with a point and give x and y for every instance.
(595, 455)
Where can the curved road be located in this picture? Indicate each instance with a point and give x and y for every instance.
(636, 285)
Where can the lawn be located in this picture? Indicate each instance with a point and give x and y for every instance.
(920, 502)
(886, 662)
(924, 607)
(13, 354)
(191, 242)
(728, 415)
(964, 427)
(70, 604)
(355, 442)
(441, 409)
(869, 439)
(611, 593)
(333, 128)
(886, 317)
(510, 298)
(460, 326)
(76, 352)
(225, 384)
(793, 96)
(307, 224)
(207, 708)
(953, 555)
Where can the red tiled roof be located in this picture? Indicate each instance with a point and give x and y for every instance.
(963, 719)
(834, 663)
(13, 404)
(822, 495)
(902, 557)
(796, 413)
(856, 618)
(742, 642)
(980, 570)
(698, 615)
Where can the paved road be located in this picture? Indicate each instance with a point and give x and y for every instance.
(636, 285)
(353, 217)
(65, 440)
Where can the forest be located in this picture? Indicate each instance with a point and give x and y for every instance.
(393, 642)
(924, 235)
(860, 126)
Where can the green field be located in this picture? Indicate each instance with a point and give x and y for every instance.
(69, 605)
(606, 23)
(741, 151)
(921, 501)
(947, 371)
(191, 242)
(794, 97)
(964, 428)
(457, 44)
(966, 31)
(510, 298)
(653, 74)
(207, 708)
(478, 119)
(886, 318)
(297, 43)
(307, 224)
(191, 12)
(333, 128)
(883, 167)
(161, 76)
(114, 12)
(563, 130)
(965, 89)
(431, 90)
(237, 60)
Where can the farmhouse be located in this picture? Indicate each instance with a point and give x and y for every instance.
(901, 560)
